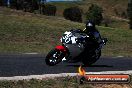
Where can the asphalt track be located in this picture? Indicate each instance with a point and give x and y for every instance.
(26, 64)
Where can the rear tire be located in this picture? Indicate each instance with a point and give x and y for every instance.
(89, 60)
(54, 57)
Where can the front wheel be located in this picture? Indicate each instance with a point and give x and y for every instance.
(90, 59)
(54, 57)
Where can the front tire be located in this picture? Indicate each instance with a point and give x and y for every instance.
(90, 59)
(54, 57)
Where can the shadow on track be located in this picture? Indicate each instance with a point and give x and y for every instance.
(108, 66)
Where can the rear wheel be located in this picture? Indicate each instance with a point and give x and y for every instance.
(54, 57)
(90, 59)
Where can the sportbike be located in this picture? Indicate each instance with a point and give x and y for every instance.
(75, 48)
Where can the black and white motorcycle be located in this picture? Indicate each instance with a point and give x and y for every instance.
(75, 48)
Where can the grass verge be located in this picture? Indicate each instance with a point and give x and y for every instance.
(25, 32)
(63, 82)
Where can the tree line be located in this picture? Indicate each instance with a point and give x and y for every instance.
(129, 10)
(72, 13)
(30, 6)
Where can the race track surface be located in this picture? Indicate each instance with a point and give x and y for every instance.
(23, 65)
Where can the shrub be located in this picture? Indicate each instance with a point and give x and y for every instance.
(13, 4)
(73, 14)
(116, 12)
(16, 4)
(30, 5)
(130, 13)
(124, 14)
(35, 5)
(1, 2)
(48, 9)
(95, 13)
(26, 5)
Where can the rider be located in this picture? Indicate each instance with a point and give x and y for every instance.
(93, 32)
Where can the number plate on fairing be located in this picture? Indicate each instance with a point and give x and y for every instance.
(68, 38)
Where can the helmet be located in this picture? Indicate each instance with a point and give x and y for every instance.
(90, 25)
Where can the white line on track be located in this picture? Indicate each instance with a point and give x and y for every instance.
(16, 78)
(31, 53)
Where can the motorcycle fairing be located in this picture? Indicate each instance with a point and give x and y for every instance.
(61, 48)
(74, 50)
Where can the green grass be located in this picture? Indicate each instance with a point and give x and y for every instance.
(119, 41)
(25, 32)
(67, 82)
(62, 82)
(31, 33)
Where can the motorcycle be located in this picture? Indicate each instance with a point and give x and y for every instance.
(75, 48)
